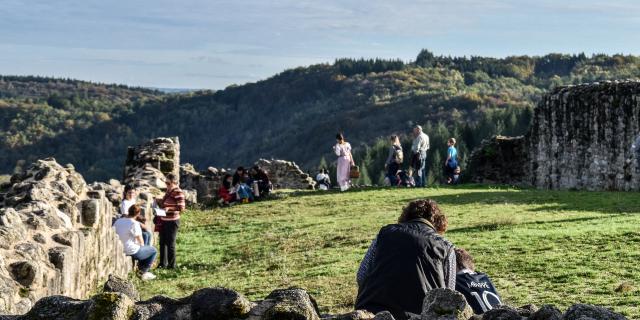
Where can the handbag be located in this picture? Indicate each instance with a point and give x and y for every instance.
(354, 172)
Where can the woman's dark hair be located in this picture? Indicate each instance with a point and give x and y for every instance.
(134, 211)
(426, 209)
(240, 169)
(226, 183)
(127, 188)
(340, 137)
(464, 260)
(171, 178)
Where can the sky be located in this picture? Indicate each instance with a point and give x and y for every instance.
(211, 44)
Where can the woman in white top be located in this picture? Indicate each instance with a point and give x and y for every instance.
(130, 198)
(345, 161)
(130, 234)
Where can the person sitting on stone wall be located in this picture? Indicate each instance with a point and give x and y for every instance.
(259, 182)
(323, 180)
(130, 198)
(173, 203)
(130, 234)
(406, 260)
(226, 192)
(476, 287)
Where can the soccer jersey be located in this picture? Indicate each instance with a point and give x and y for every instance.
(479, 291)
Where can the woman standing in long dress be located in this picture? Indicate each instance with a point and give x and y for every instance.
(345, 161)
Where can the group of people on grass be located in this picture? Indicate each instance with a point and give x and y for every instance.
(414, 176)
(404, 261)
(409, 258)
(137, 239)
(244, 186)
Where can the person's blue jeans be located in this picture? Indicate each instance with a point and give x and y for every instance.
(422, 172)
(145, 257)
(147, 237)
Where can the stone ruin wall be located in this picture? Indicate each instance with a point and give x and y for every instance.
(120, 301)
(581, 137)
(55, 237)
(146, 167)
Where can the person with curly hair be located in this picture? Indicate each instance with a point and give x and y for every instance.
(406, 260)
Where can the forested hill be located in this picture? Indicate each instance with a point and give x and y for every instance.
(292, 115)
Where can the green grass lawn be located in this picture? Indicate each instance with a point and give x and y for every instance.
(538, 246)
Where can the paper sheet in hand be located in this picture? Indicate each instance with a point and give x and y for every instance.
(159, 212)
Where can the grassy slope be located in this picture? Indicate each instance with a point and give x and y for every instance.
(538, 246)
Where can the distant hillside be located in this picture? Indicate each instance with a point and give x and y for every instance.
(292, 115)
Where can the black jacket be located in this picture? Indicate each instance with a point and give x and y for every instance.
(409, 261)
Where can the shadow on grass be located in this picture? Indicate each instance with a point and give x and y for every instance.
(599, 202)
(498, 225)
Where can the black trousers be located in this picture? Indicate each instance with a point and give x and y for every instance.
(168, 234)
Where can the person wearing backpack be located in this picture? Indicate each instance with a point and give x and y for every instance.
(451, 162)
(394, 160)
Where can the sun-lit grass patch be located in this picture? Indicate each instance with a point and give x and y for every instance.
(539, 247)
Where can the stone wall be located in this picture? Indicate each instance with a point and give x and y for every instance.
(55, 237)
(146, 168)
(286, 174)
(204, 184)
(119, 301)
(500, 160)
(582, 137)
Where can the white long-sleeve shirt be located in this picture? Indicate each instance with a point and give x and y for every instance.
(420, 143)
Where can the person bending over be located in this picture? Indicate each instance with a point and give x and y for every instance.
(130, 234)
(405, 261)
(476, 287)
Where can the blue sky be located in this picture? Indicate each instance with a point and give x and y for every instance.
(212, 44)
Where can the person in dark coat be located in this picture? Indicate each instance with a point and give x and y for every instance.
(405, 261)
(476, 287)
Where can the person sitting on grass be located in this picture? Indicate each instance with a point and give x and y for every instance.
(130, 234)
(225, 192)
(323, 180)
(476, 287)
(259, 182)
(456, 175)
(238, 175)
(244, 193)
(405, 261)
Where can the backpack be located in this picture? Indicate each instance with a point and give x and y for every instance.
(398, 156)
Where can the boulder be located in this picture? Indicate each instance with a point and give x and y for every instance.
(384, 315)
(162, 308)
(354, 315)
(578, 311)
(110, 305)
(546, 312)
(286, 304)
(57, 308)
(218, 304)
(502, 314)
(120, 285)
(445, 304)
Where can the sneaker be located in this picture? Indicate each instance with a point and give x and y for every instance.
(147, 276)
